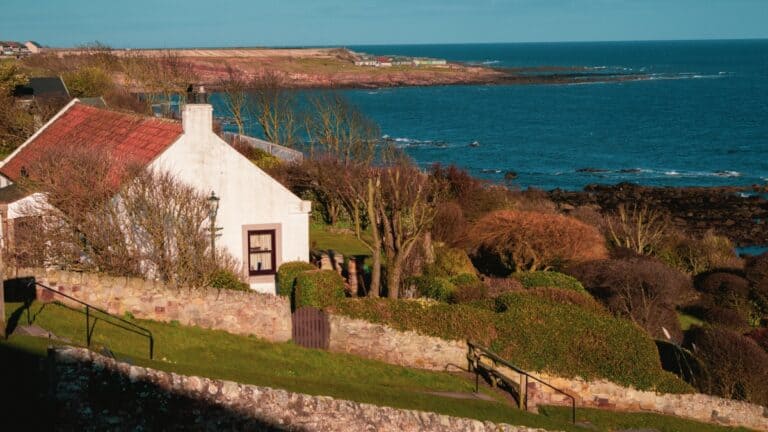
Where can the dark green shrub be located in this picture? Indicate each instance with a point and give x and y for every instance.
(224, 279)
(568, 297)
(447, 321)
(543, 335)
(534, 333)
(450, 262)
(286, 275)
(435, 287)
(465, 279)
(318, 288)
(549, 279)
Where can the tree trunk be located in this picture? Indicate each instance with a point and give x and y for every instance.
(376, 242)
(375, 274)
(394, 273)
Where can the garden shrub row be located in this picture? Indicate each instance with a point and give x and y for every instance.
(457, 289)
(287, 273)
(549, 279)
(535, 333)
(318, 288)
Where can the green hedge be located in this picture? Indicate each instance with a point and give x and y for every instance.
(318, 288)
(536, 334)
(225, 279)
(450, 262)
(549, 279)
(435, 287)
(286, 275)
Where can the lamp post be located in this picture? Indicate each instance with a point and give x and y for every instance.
(213, 209)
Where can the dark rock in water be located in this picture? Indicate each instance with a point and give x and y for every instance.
(630, 171)
(510, 175)
(591, 170)
(726, 210)
(474, 144)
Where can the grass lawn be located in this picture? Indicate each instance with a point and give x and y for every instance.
(610, 420)
(320, 237)
(216, 354)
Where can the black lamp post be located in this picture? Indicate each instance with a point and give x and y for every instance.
(213, 209)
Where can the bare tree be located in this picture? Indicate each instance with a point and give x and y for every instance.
(338, 128)
(234, 90)
(274, 106)
(405, 211)
(639, 229)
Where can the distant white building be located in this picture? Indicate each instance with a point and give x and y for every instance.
(263, 224)
(33, 47)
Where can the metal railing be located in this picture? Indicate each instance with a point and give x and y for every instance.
(121, 323)
(476, 352)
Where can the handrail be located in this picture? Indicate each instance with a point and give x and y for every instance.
(473, 347)
(133, 328)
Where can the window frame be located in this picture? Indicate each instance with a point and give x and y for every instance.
(272, 251)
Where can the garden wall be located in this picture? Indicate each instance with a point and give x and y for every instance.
(168, 401)
(411, 349)
(239, 312)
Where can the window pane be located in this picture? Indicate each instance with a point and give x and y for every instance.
(261, 261)
(260, 241)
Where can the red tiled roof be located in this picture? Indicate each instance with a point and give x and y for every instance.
(129, 138)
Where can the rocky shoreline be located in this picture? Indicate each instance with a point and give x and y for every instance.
(740, 214)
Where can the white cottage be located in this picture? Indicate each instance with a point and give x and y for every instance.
(262, 223)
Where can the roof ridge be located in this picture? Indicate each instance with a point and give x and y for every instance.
(129, 113)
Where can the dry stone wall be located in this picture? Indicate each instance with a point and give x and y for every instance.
(239, 312)
(149, 399)
(411, 349)
(383, 343)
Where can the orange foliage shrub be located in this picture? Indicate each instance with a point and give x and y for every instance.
(529, 241)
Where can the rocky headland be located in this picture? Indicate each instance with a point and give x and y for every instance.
(738, 213)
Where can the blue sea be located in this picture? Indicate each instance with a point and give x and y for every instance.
(700, 120)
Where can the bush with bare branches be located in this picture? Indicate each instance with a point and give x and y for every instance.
(644, 290)
(528, 241)
(640, 229)
(126, 221)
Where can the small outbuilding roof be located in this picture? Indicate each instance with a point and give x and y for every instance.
(128, 137)
(43, 87)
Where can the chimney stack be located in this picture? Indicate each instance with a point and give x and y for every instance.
(197, 116)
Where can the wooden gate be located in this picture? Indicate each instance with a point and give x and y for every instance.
(311, 328)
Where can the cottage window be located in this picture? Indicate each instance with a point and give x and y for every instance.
(261, 252)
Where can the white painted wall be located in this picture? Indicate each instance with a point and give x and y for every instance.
(248, 195)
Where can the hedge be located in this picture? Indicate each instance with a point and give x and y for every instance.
(549, 279)
(225, 279)
(536, 334)
(286, 275)
(450, 262)
(435, 287)
(318, 288)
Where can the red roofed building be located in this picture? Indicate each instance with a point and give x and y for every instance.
(262, 222)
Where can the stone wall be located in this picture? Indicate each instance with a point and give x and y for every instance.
(146, 399)
(239, 312)
(410, 349)
(383, 343)
(608, 395)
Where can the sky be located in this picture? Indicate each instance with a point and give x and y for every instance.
(222, 23)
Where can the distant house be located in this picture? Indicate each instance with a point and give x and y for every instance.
(33, 47)
(13, 49)
(263, 224)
